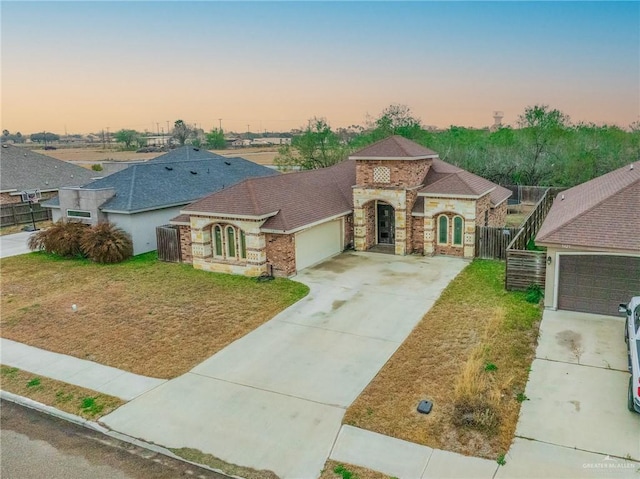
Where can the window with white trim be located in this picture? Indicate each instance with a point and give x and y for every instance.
(228, 242)
(457, 230)
(443, 229)
(78, 214)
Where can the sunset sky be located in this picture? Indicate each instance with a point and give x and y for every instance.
(88, 66)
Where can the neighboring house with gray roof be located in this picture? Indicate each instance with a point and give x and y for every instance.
(25, 170)
(592, 235)
(394, 195)
(146, 195)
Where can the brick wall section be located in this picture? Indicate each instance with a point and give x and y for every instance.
(370, 215)
(404, 173)
(412, 195)
(447, 249)
(417, 235)
(185, 244)
(498, 215)
(483, 205)
(348, 231)
(281, 254)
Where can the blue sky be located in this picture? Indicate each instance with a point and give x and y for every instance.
(273, 65)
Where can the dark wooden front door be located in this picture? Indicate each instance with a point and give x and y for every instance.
(386, 224)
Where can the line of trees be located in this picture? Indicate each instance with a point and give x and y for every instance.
(544, 149)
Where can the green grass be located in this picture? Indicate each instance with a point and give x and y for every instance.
(66, 397)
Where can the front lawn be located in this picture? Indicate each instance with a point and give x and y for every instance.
(144, 316)
(470, 355)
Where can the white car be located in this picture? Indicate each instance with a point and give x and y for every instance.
(632, 337)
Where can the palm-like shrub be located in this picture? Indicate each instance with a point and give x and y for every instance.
(62, 238)
(106, 243)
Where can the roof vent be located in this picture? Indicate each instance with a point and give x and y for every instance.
(193, 172)
(631, 166)
(5, 146)
(196, 149)
(168, 168)
(227, 163)
(562, 198)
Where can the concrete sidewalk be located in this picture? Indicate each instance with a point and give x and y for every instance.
(86, 374)
(14, 244)
(275, 398)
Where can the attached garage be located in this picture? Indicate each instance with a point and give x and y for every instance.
(594, 283)
(318, 242)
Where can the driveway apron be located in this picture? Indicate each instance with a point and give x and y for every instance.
(275, 398)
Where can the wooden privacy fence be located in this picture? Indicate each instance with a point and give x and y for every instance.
(20, 214)
(168, 238)
(491, 242)
(528, 267)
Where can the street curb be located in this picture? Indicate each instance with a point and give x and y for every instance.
(80, 421)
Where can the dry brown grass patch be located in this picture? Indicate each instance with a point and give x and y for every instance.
(470, 355)
(145, 316)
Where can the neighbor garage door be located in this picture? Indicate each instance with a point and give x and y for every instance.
(597, 283)
(317, 243)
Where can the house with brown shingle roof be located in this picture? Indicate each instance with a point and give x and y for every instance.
(393, 196)
(592, 235)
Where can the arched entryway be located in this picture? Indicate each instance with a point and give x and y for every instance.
(385, 224)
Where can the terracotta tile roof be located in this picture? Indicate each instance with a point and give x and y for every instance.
(393, 147)
(297, 199)
(446, 179)
(602, 213)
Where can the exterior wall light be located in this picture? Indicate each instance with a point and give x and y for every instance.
(548, 259)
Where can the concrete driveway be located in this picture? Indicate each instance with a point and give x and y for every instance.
(14, 244)
(575, 422)
(275, 398)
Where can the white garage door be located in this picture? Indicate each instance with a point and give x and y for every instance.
(317, 243)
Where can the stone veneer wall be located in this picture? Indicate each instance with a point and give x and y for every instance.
(370, 224)
(185, 243)
(202, 249)
(403, 173)
(281, 251)
(466, 208)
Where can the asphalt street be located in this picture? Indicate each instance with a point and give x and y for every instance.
(34, 446)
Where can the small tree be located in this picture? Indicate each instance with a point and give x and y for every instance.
(317, 147)
(181, 131)
(106, 243)
(127, 137)
(215, 139)
(62, 238)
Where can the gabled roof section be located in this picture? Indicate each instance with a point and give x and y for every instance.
(444, 179)
(602, 213)
(394, 148)
(290, 201)
(175, 180)
(22, 169)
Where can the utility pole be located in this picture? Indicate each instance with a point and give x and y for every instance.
(108, 138)
(220, 123)
(103, 145)
(158, 127)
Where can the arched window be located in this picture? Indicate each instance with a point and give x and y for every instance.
(217, 236)
(457, 231)
(243, 245)
(443, 229)
(231, 242)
